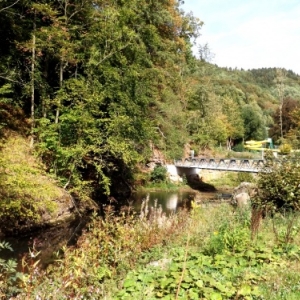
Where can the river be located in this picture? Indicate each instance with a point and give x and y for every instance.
(50, 240)
(170, 201)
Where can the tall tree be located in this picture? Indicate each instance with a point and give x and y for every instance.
(253, 122)
(33, 58)
(279, 80)
(288, 122)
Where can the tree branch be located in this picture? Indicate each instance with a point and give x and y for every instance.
(8, 79)
(160, 132)
(7, 7)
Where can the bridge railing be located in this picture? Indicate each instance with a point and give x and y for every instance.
(232, 164)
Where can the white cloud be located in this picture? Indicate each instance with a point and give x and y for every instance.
(251, 34)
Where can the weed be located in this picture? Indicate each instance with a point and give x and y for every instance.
(207, 253)
(9, 276)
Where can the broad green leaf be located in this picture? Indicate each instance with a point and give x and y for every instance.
(215, 296)
(129, 283)
(244, 290)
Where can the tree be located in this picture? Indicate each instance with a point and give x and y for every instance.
(279, 80)
(205, 53)
(4, 7)
(288, 119)
(253, 123)
(234, 124)
(278, 187)
(33, 62)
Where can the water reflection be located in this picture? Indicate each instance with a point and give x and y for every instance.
(172, 202)
(51, 239)
(169, 201)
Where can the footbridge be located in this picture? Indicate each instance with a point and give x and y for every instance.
(232, 164)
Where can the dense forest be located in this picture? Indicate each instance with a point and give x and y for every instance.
(96, 84)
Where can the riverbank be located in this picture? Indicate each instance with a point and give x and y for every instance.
(217, 183)
(30, 198)
(209, 253)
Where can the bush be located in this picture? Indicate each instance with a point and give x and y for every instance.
(9, 277)
(159, 174)
(245, 177)
(279, 185)
(238, 148)
(285, 149)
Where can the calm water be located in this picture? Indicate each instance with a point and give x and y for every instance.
(169, 201)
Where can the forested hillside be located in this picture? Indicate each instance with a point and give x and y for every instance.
(99, 80)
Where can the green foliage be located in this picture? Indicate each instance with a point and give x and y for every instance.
(238, 148)
(205, 253)
(285, 149)
(229, 266)
(278, 185)
(9, 276)
(231, 179)
(230, 236)
(26, 191)
(184, 180)
(160, 185)
(159, 174)
(253, 123)
(222, 277)
(109, 249)
(244, 177)
(6, 93)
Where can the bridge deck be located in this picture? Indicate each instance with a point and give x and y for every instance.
(235, 165)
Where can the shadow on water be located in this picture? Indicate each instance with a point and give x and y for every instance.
(201, 186)
(47, 241)
(197, 183)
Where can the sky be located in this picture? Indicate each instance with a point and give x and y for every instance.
(250, 34)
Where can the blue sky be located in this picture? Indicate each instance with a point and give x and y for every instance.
(250, 33)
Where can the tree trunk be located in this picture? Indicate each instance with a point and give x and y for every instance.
(32, 84)
(61, 78)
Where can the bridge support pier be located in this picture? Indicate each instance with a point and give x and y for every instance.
(176, 173)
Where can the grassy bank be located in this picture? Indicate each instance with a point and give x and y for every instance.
(206, 254)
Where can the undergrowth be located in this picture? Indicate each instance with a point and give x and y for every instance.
(26, 192)
(208, 253)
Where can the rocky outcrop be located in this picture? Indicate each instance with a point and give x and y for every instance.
(65, 208)
(242, 194)
(245, 187)
(29, 197)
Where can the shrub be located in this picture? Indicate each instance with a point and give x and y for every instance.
(238, 148)
(278, 185)
(245, 177)
(285, 149)
(9, 276)
(159, 174)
